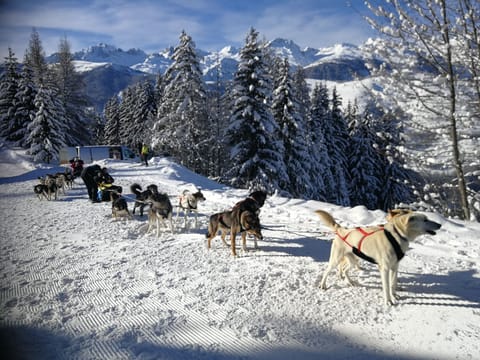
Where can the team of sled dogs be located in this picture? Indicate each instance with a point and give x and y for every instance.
(51, 185)
(384, 245)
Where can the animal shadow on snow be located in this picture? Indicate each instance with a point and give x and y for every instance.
(457, 288)
(314, 247)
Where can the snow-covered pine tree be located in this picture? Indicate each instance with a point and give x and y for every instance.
(136, 114)
(337, 140)
(256, 152)
(182, 117)
(25, 106)
(72, 95)
(111, 113)
(9, 83)
(158, 91)
(399, 183)
(285, 109)
(35, 60)
(144, 110)
(365, 164)
(125, 113)
(218, 106)
(321, 167)
(97, 127)
(47, 129)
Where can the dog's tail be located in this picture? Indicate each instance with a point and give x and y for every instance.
(135, 188)
(212, 229)
(327, 219)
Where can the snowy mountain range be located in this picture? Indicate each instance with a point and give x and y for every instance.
(108, 69)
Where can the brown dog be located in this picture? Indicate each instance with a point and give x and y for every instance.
(246, 222)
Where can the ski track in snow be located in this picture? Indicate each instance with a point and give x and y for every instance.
(78, 285)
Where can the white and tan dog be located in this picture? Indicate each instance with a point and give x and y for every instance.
(188, 202)
(384, 245)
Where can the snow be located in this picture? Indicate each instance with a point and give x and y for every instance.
(78, 285)
(85, 66)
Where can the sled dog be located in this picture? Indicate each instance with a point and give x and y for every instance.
(188, 202)
(51, 186)
(225, 222)
(352, 261)
(252, 203)
(42, 191)
(383, 245)
(142, 196)
(119, 206)
(160, 212)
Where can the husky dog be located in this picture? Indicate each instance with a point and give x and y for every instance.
(253, 202)
(225, 221)
(119, 206)
(51, 186)
(42, 191)
(60, 181)
(142, 196)
(160, 211)
(188, 202)
(384, 245)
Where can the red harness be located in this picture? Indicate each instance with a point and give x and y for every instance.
(357, 250)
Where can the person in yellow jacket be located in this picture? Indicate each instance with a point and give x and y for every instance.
(144, 153)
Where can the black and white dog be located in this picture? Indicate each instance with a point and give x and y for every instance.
(46, 188)
(119, 206)
(142, 196)
(161, 211)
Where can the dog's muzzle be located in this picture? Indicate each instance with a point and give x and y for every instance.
(433, 226)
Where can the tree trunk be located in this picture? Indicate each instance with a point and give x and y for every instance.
(462, 189)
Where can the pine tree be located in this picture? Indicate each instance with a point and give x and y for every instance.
(218, 105)
(46, 131)
(182, 116)
(25, 109)
(71, 94)
(285, 109)
(321, 167)
(97, 127)
(143, 113)
(112, 121)
(35, 60)
(365, 165)
(256, 155)
(337, 143)
(9, 83)
(125, 113)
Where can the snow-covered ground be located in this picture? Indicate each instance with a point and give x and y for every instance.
(77, 285)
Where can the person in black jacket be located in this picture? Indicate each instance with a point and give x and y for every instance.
(88, 176)
(105, 187)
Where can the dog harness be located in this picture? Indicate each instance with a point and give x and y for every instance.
(398, 250)
(220, 219)
(189, 204)
(358, 250)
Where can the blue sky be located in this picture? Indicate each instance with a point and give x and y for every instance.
(154, 25)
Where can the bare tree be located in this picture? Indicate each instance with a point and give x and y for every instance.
(420, 69)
